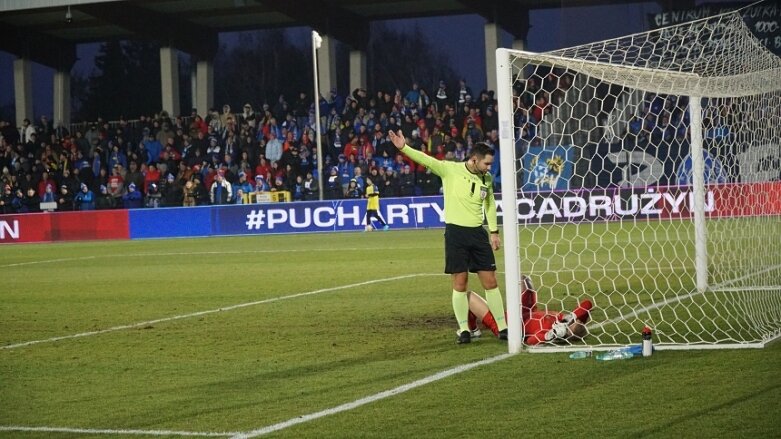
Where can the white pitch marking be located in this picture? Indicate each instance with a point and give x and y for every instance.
(226, 252)
(211, 311)
(334, 410)
(327, 412)
(279, 426)
(111, 431)
(438, 376)
(48, 261)
(670, 301)
(369, 399)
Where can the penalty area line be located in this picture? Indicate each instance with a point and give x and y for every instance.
(211, 311)
(370, 399)
(114, 432)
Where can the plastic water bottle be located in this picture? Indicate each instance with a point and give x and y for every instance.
(616, 354)
(648, 347)
(579, 354)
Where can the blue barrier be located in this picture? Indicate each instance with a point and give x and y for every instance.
(281, 218)
(173, 222)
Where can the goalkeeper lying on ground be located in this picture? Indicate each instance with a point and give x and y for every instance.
(538, 326)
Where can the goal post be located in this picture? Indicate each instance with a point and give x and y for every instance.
(512, 275)
(643, 173)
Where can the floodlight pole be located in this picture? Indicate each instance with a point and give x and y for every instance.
(316, 42)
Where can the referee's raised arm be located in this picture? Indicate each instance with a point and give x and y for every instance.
(400, 142)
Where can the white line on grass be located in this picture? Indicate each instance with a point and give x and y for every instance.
(279, 426)
(118, 432)
(48, 261)
(212, 311)
(195, 253)
(370, 399)
(327, 412)
(670, 301)
(445, 373)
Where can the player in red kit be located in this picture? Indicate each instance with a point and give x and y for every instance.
(538, 326)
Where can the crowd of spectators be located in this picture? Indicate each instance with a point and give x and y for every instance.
(665, 118)
(533, 100)
(228, 156)
(659, 119)
(234, 157)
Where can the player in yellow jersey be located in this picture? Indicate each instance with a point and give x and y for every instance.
(373, 206)
(469, 200)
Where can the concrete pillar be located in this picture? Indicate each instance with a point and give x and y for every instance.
(357, 70)
(169, 80)
(62, 98)
(326, 66)
(492, 42)
(23, 90)
(205, 86)
(194, 87)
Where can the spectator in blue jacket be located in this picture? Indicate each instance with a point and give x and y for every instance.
(152, 145)
(261, 185)
(346, 171)
(413, 95)
(133, 199)
(116, 157)
(244, 185)
(85, 199)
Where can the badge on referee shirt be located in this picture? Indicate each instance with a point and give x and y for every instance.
(483, 192)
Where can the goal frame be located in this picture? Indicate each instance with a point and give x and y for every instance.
(509, 203)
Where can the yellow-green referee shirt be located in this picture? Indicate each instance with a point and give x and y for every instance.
(469, 197)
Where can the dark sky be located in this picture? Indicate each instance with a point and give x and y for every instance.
(460, 37)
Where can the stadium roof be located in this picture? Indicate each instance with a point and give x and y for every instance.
(38, 29)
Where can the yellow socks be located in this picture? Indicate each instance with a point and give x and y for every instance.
(496, 306)
(461, 309)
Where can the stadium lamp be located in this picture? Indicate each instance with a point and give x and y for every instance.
(317, 41)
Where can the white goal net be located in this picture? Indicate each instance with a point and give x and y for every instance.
(645, 174)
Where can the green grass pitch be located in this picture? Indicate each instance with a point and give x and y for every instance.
(344, 330)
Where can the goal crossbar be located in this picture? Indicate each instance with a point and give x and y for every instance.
(665, 81)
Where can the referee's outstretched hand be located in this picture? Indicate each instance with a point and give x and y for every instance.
(398, 139)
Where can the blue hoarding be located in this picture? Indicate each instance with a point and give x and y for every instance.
(171, 222)
(297, 217)
(324, 216)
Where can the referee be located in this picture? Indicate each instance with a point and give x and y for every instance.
(469, 197)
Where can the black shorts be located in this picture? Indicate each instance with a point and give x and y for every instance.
(467, 249)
